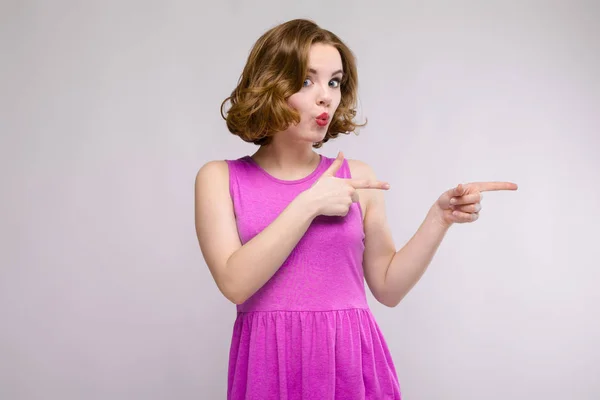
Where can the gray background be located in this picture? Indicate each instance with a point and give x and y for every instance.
(109, 108)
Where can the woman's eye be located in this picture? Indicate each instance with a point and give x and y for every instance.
(306, 82)
(334, 83)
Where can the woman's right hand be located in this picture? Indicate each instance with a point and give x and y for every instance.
(333, 196)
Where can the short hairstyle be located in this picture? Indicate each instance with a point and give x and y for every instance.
(276, 69)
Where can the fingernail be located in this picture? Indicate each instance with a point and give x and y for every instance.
(453, 201)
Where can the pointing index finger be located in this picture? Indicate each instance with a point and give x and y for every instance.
(368, 184)
(494, 186)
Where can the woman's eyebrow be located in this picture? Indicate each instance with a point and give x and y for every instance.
(314, 71)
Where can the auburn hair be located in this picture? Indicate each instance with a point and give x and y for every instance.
(276, 69)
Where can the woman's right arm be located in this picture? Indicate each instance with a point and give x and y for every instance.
(240, 271)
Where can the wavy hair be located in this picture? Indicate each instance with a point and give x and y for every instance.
(276, 69)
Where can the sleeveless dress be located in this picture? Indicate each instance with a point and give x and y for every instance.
(308, 333)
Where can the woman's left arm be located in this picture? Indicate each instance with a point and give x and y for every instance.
(391, 273)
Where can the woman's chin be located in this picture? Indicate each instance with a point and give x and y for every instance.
(318, 136)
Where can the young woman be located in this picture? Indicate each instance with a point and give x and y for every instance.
(290, 236)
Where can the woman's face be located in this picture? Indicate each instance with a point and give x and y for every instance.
(320, 95)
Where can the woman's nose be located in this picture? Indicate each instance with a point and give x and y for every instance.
(324, 98)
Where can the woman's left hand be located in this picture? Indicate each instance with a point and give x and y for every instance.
(462, 204)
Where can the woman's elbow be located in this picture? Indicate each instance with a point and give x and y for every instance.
(233, 291)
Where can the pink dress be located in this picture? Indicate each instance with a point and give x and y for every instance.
(308, 333)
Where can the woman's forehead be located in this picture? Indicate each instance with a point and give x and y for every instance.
(324, 59)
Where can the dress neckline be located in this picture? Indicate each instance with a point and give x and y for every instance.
(316, 171)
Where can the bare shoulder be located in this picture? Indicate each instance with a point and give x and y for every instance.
(211, 192)
(211, 188)
(360, 169)
(212, 171)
